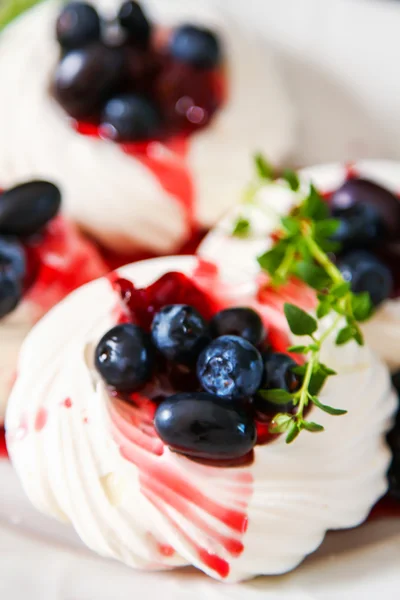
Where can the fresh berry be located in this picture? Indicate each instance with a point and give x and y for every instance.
(366, 273)
(26, 208)
(361, 226)
(12, 271)
(134, 21)
(195, 45)
(230, 367)
(78, 25)
(394, 479)
(124, 357)
(278, 374)
(363, 191)
(129, 117)
(85, 78)
(180, 333)
(202, 425)
(241, 321)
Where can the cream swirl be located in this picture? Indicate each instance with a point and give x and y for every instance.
(115, 196)
(96, 463)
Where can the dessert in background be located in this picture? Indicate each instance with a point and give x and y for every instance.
(42, 258)
(141, 113)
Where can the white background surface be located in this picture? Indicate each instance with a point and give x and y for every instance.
(340, 59)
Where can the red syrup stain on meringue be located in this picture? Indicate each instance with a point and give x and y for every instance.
(67, 403)
(3, 445)
(40, 419)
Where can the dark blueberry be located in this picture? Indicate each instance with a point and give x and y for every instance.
(197, 46)
(12, 271)
(129, 117)
(363, 191)
(85, 78)
(134, 21)
(180, 333)
(394, 479)
(124, 357)
(366, 273)
(230, 367)
(241, 321)
(78, 25)
(203, 426)
(361, 226)
(396, 381)
(26, 208)
(278, 374)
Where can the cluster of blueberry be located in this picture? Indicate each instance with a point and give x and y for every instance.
(369, 231)
(229, 361)
(117, 75)
(24, 212)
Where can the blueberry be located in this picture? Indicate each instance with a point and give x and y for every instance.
(85, 78)
(197, 46)
(134, 21)
(124, 357)
(77, 25)
(394, 479)
(361, 226)
(278, 374)
(240, 321)
(230, 367)
(12, 271)
(366, 273)
(130, 117)
(202, 425)
(180, 333)
(362, 191)
(26, 208)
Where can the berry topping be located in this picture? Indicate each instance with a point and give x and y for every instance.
(197, 46)
(84, 78)
(124, 357)
(241, 321)
(133, 20)
(27, 208)
(12, 271)
(278, 374)
(230, 367)
(204, 426)
(362, 191)
(361, 226)
(77, 25)
(180, 333)
(366, 273)
(130, 117)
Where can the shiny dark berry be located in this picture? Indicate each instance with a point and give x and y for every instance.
(124, 357)
(134, 21)
(27, 208)
(85, 78)
(202, 425)
(278, 374)
(366, 273)
(394, 479)
(129, 117)
(241, 321)
(396, 382)
(180, 333)
(230, 367)
(12, 271)
(77, 25)
(361, 226)
(197, 46)
(362, 191)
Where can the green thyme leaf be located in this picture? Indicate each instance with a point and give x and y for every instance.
(263, 167)
(293, 432)
(326, 370)
(326, 228)
(312, 274)
(271, 260)
(313, 427)
(299, 321)
(280, 423)
(299, 349)
(242, 228)
(362, 306)
(11, 9)
(323, 309)
(276, 396)
(336, 412)
(291, 225)
(314, 207)
(292, 179)
(345, 335)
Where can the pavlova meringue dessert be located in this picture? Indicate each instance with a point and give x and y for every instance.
(42, 258)
(141, 113)
(167, 418)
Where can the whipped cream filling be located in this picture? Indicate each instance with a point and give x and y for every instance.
(113, 195)
(382, 332)
(67, 261)
(94, 462)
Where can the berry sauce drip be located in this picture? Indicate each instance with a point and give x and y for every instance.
(3, 445)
